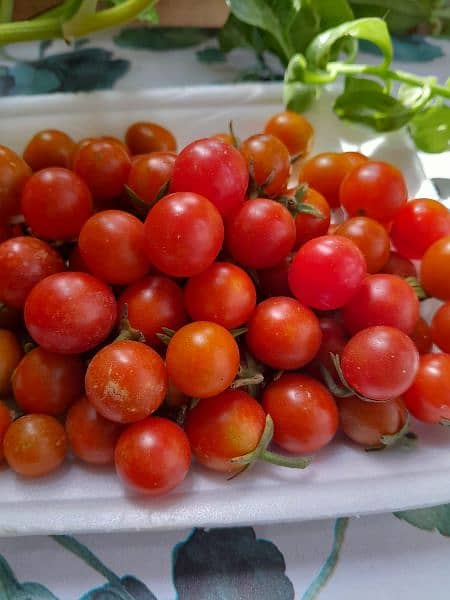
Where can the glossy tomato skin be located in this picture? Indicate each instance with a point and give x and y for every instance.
(420, 223)
(283, 334)
(274, 280)
(35, 445)
(440, 327)
(14, 173)
(371, 238)
(149, 173)
(111, 244)
(435, 269)
(304, 413)
(366, 422)
(5, 422)
(224, 427)
(380, 362)
(260, 234)
(326, 272)
(152, 456)
(422, 336)
(398, 265)
(70, 313)
(126, 381)
(153, 302)
(92, 438)
(202, 359)
(49, 148)
(428, 398)
(56, 203)
(223, 294)
(268, 162)
(374, 189)
(183, 234)
(310, 226)
(24, 261)
(293, 130)
(213, 169)
(382, 299)
(47, 383)
(144, 137)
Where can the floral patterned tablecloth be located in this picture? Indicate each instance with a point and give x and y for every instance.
(378, 557)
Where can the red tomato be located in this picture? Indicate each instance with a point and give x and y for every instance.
(224, 427)
(150, 173)
(268, 162)
(420, 223)
(14, 173)
(326, 272)
(428, 398)
(292, 129)
(213, 169)
(380, 362)
(49, 148)
(223, 293)
(126, 381)
(260, 234)
(56, 203)
(435, 269)
(70, 313)
(374, 189)
(183, 234)
(35, 445)
(382, 299)
(309, 226)
(334, 338)
(152, 456)
(5, 422)
(283, 334)
(202, 359)
(421, 336)
(440, 327)
(398, 265)
(47, 383)
(10, 318)
(143, 137)
(24, 261)
(153, 303)
(91, 436)
(304, 414)
(370, 237)
(10, 355)
(274, 280)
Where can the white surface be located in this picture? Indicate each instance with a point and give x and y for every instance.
(342, 480)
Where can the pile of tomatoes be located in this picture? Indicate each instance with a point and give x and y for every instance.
(157, 305)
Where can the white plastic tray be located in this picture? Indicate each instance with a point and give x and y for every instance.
(343, 480)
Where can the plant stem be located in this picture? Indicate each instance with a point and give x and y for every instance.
(23, 31)
(6, 10)
(292, 462)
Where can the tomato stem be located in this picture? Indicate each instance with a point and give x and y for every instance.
(235, 139)
(291, 462)
(238, 331)
(166, 335)
(127, 332)
(417, 287)
(255, 379)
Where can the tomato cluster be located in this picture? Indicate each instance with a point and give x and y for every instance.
(156, 305)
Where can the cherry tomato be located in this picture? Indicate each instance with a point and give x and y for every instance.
(380, 362)
(202, 359)
(398, 265)
(440, 327)
(283, 334)
(4, 233)
(126, 381)
(435, 269)
(421, 336)
(150, 173)
(274, 280)
(153, 456)
(175, 397)
(354, 159)
(367, 422)
(10, 318)
(261, 233)
(70, 313)
(47, 383)
(334, 338)
(293, 130)
(304, 414)
(56, 203)
(111, 244)
(35, 445)
(49, 148)
(213, 169)
(14, 173)
(326, 272)
(428, 398)
(91, 436)
(153, 303)
(143, 137)
(183, 234)
(24, 261)
(374, 189)
(419, 223)
(10, 355)
(104, 165)
(223, 293)
(268, 162)
(309, 226)
(371, 238)
(382, 299)
(5, 422)
(224, 427)
(224, 137)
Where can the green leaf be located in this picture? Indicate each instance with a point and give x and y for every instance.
(430, 128)
(436, 518)
(161, 38)
(297, 95)
(211, 55)
(333, 12)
